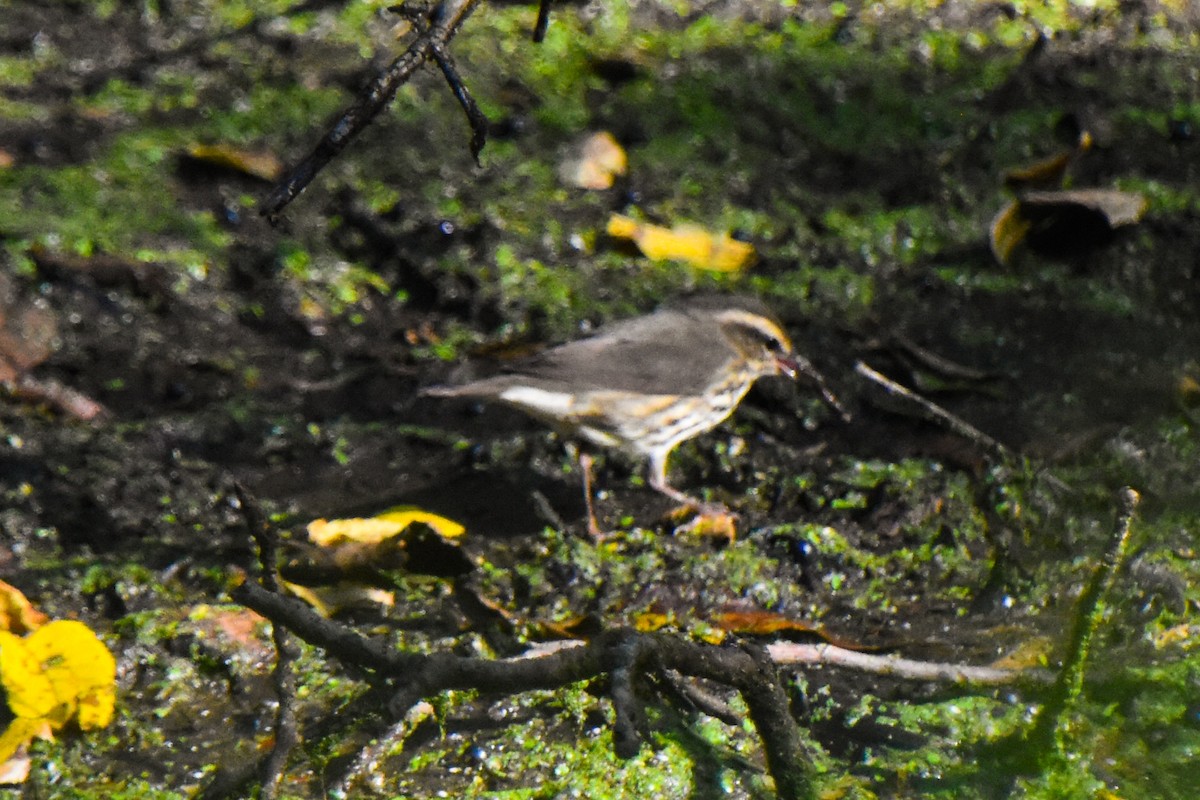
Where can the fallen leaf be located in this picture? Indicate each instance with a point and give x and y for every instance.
(692, 244)
(1030, 653)
(261, 164)
(1048, 173)
(1063, 222)
(377, 529)
(711, 525)
(82, 670)
(17, 614)
(329, 600)
(58, 673)
(650, 621)
(761, 623)
(596, 163)
(27, 333)
(1115, 207)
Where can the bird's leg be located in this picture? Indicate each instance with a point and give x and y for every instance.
(593, 526)
(658, 482)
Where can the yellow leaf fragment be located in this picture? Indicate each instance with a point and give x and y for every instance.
(407, 515)
(380, 528)
(649, 621)
(1178, 635)
(29, 691)
(596, 164)
(692, 244)
(1029, 654)
(60, 672)
(83, 672)
(261, 164)
(1009, 229)
(329, 600)
(17, 614)
(19, 733)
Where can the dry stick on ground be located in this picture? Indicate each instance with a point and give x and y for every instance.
(750, 671)
(287, 734)
(932, 410)
(450, 15)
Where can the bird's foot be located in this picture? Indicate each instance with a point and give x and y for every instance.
(709, 520)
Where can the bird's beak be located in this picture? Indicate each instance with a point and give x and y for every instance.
(787, 365)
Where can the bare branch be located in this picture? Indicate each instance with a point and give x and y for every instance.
(475, 118)
(932, 410)
(372, 100)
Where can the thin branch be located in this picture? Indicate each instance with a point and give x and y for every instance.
(932, 410)
(543, 20)
(475, 118)
(371, 101)
(287, 734)
(897, 667)
(425, 675)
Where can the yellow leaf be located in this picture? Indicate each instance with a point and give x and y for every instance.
(83, 672)
(650, 621)
(261, 164)
(30, 693)
(17, 614)
(329, 600)
(697, 246)
(596, 164)
(1008, 230)
(19, 732)
(1028, 654)
(446, 528)
(373, 530)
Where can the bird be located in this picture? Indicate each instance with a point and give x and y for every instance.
(645, 384)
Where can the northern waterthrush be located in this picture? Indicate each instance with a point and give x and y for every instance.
(645, 384)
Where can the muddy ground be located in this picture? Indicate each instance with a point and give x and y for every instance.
(862, 148)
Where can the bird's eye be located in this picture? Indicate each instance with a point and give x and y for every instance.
(774, 345)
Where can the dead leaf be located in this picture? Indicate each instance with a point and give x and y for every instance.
(17, 614)
(650, 621)
(377, 529)
(1048, 173)
(261, 164)
(329, 600)
(1030, 653)
(1063, 222)
(27, 333)
(1115, 207)
(59, 673)
(597, 162)
(710, 524)
(692, 244)
(761, 623)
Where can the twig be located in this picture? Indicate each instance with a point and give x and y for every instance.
(55, 394)
(287, 734)
(894, 666)
(425, 675)
(543, 20)
(933, 411)
(371, 101)
(475, 118)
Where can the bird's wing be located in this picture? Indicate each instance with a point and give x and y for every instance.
(669, 352)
